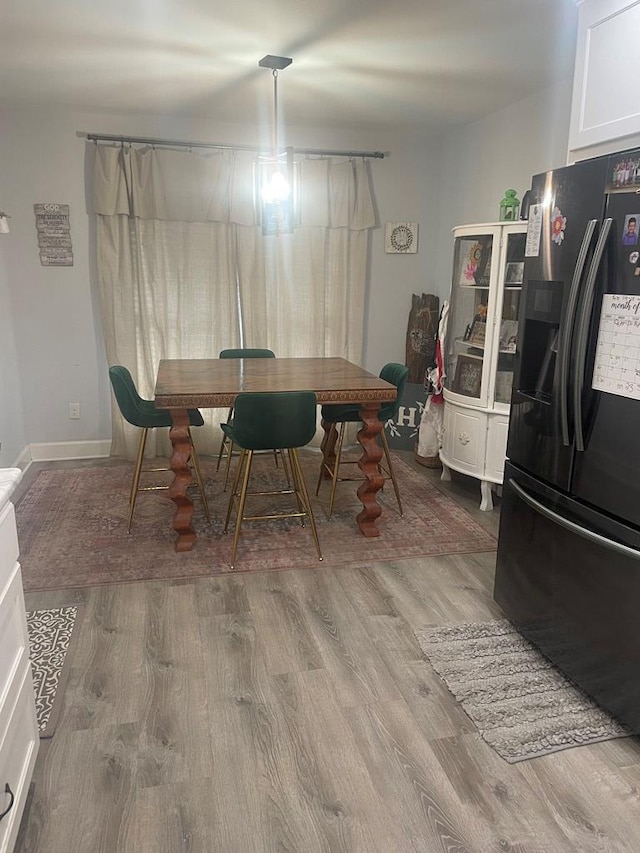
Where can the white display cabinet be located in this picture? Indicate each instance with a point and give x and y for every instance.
(480, 345)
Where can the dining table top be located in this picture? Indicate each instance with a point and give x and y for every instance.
(216, 382)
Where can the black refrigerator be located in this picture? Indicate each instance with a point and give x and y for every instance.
(568, 563)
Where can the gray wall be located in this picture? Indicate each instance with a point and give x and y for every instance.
(12, 422)
(501, 151)
(56, 349)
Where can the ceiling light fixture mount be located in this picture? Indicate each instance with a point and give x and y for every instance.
(276, 63)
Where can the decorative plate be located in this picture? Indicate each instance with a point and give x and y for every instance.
(401, 238)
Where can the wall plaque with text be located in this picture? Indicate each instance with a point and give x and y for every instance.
(54, 234)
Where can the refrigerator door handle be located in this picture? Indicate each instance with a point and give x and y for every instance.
(565, 343)
(583, 333)
(535, 505)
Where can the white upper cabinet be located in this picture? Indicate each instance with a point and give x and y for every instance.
(605, 110)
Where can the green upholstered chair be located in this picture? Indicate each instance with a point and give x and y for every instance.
(341, 415)
(144, 414)
(283, 421)
(226, 448)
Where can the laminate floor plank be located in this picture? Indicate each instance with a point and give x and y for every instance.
(337, 786)
(282, 624)
(498, 795)
(410, 782)
(598, 809)
(355, 667)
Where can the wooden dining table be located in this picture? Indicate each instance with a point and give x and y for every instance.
(184, 384)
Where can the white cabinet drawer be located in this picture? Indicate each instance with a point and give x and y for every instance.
(18, 750)
(8, 542)
(14, 650)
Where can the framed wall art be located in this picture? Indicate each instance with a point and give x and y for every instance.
(478, 333)
(401, 238)
(468, 376)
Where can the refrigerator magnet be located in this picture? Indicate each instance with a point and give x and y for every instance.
(558, 224)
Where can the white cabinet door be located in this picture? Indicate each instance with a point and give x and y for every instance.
(465, 432)
(606, 91)
(496, 448)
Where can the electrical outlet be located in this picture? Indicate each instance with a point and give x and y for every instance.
(74, 411)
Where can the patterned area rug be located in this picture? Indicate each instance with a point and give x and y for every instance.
(49, 637)
(72, 528)
(521, 704)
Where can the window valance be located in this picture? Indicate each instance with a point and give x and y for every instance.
(220, 186)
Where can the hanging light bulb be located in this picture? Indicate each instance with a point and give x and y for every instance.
(276, 188)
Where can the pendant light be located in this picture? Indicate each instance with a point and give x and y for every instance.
(277, 169)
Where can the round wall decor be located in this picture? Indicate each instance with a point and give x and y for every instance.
(401, 238)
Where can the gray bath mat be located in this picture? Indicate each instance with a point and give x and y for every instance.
(521, 704)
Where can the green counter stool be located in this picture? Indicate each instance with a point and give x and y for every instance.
(225, 444)
(277, 420)
(144, 414)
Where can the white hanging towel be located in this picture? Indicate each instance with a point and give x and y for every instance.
(431, 422)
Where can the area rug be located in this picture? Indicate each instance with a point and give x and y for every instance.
(72, 528)
(50, 634)
(521, 704)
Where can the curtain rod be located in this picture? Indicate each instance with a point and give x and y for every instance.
(142, 140)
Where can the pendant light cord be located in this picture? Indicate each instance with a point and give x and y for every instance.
(275, 112)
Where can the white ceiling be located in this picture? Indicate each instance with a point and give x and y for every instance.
(428, 64)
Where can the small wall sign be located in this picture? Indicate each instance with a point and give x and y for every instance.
(54, 234)
(401, 238)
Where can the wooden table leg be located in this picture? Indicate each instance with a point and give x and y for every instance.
(179, 434)
(369, 464)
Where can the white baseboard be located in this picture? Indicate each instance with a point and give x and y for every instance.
(24, 460)
(61, 450)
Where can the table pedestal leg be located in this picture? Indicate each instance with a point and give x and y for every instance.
(179, 435)
(370, 467)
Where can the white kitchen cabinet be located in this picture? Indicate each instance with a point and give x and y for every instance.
(605, 109)
(480, 346)
(19, 736)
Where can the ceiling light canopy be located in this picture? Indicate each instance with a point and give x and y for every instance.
(276, 63)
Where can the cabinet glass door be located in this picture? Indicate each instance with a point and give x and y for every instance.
(508, 338)
(467, 328)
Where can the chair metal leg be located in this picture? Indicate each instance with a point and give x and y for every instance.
(336, 469)
(234, 490)
(302, 509)
(224, 440)
(228, 465)
(299, 484)
(198, 473)
(136, 476)
(385, 446)
(241, 503)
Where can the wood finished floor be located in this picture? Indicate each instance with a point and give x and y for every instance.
(293, 711)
